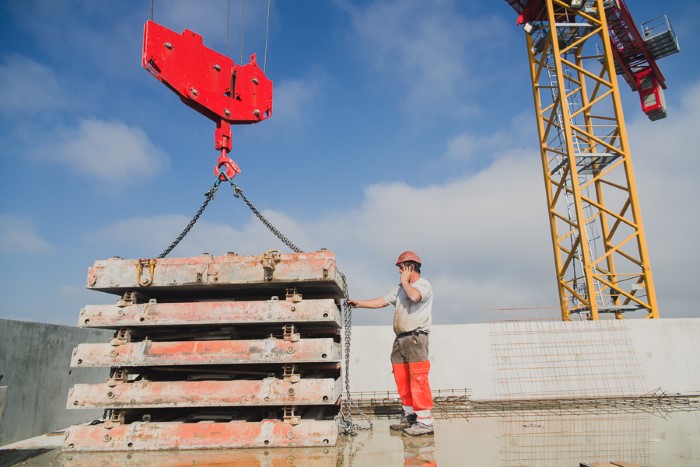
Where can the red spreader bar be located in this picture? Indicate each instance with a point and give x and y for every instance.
(209, 82)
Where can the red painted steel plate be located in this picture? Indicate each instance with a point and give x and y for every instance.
(164, 394)
(202, 313)
(156, 436)
(220, 352)
(206, 273)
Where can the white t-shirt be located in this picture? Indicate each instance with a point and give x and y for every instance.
(409, 316)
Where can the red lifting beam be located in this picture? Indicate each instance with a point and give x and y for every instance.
(209, 82)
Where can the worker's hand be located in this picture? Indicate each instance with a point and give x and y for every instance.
(406, 271)
(352, 303)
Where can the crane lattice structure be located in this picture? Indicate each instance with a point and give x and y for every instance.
(600, 250)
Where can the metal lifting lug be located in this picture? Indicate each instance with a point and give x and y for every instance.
(289, 334)
(290, 373)
(129, 298)
(121, 337)
(292, 295)
(118, 377)
(114, 419)
(269, 261)
(290, 416)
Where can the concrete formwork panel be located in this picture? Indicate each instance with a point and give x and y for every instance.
(314, 272)
(203, 435)
(165, 394)
(220, 313)
(220, 352)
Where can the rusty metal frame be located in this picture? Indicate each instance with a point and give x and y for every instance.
(215, 352)
(158, 436)
(323, 311)
(314, 271)
(165, 394)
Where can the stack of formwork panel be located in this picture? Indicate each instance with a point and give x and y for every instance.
(213, 352)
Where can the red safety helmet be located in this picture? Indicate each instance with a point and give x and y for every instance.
(408, 256)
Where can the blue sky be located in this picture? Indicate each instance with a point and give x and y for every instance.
(396, 125)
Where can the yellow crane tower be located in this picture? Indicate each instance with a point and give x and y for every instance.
(576, 49)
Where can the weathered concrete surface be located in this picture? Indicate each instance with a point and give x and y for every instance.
(35, 364)
(3, 396)
(551, 440)
(461, 356)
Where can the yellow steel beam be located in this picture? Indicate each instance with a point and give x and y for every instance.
(592, 202)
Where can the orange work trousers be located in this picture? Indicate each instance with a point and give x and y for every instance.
(409, 360)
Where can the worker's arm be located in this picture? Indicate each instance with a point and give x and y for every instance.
(373, 303)
(412, 293)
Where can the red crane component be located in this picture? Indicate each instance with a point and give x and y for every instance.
(635, 54)
(210, 83)
(629, 49)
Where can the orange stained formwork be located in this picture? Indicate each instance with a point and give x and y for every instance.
(159, 436)
(213, 352)
(268, 391)
(220, 352)
(184, 314)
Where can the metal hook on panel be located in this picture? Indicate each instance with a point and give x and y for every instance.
(151, 263)
(269, 260)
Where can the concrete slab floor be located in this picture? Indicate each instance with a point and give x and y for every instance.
(641, 439)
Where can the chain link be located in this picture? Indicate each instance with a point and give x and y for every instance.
(347, 424)
(238, 192)
(209, 196)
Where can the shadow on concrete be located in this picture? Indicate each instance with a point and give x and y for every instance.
(15, 456)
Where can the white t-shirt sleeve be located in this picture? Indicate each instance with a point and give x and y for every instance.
(392, 296)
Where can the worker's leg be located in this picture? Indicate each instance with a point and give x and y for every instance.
(420, 391)
(403, 386)
(402, 377)
(418, 368)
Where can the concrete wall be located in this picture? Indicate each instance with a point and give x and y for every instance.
(462, 356)
(3, 396)
(35, 367)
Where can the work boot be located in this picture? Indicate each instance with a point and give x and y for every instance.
(405, 422)
(418, 429)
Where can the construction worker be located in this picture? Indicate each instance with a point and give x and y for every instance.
(413, 303)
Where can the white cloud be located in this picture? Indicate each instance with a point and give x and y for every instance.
(149, 236)
(111, 153)
(665, 157)
(18, 235)
(294, 99)
(468, 147)
(27, 87)
(430, 52)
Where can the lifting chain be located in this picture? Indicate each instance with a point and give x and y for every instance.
(209, 196)
(238, 193)
(347, 425)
